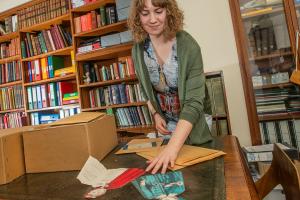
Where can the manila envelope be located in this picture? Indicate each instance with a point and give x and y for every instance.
(188, 155)
(140, 145)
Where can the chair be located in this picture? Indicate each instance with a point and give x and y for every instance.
(282, 171)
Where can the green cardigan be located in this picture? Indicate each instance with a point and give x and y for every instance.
(192, 91)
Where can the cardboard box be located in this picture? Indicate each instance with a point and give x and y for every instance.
(12, 163)
(66, 144)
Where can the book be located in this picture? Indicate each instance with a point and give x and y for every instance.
(264, 152)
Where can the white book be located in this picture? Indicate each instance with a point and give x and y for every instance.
(61, 114)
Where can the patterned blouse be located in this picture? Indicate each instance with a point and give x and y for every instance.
(164, 80)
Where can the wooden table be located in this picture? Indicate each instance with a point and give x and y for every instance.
(199, 183)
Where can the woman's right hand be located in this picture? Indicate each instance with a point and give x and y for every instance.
(160, 124)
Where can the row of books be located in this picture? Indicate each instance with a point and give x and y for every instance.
(115, 94)
(44, 68)
(10, 49)
(94, 72)
(216, 94)
(57, 37)
(41, 12)
(38, 118)
(262, 39)
(277, 100)
(9, 25)
(281, 131)
(95, 43)
(11, 98)
(13, 120)
(78, 3)
(267, 79)
(11, 71)
(50, 95)
(133, 116)
(103, 16)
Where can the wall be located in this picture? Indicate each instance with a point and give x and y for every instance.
(7, 4)
(210, 23)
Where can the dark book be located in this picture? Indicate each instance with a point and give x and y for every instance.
(264, 41)
(87, 73)
(258, 41)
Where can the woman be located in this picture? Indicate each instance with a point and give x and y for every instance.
(169, 66)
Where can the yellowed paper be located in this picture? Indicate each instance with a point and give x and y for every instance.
(140, 145)
(188, 155)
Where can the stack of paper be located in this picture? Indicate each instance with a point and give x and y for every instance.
(188, 155)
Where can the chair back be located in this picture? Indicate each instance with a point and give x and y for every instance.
(282, 171)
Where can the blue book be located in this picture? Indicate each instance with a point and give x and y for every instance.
(48, 118)
(122, 89)
(29, 71)
(39, 97)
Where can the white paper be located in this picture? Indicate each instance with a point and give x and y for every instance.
(95, 174)
(264, 148)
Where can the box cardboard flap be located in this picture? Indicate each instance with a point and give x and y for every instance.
(83, 117)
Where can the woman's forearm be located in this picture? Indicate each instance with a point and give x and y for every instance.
(180, 134)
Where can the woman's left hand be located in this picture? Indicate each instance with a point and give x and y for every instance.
(166, 157)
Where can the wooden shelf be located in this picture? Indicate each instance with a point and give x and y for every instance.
(91, 6)
(59, 52)
(56, 79)
(13, 110)
(119, 26)
(115, 106)
(47, 24)
(279, 116)
(105, 53)
(110, 82)
(10, 84)
(8, 37)
(9, 59)
(264, 11)
(53, 108)
(137, 128)
(279, 85)
(273, 55)
(219, 116)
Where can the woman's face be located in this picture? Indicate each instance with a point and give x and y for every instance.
(153, 19)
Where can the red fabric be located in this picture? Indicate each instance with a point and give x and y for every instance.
(126, 177)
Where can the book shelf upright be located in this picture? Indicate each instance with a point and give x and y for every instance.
(12, 111)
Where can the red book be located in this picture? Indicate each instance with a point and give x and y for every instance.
(65, 87)
(59, 36)
(54, 37)
(130, 66)
(32, 70)
(89, 21)
(83, 20)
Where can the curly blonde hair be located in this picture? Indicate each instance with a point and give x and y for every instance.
(174, 19)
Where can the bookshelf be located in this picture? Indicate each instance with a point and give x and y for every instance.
(220, 115)
(103, 77)
(267, 60)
